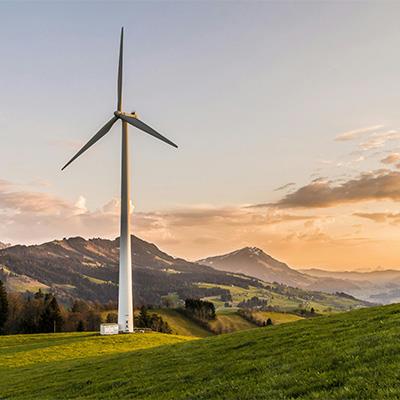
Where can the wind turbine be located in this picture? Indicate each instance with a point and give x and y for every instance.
(125, 299)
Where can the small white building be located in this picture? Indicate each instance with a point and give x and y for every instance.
(109, 329)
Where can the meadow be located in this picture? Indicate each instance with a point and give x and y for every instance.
(353, 355)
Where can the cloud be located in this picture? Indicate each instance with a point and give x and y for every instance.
(380, 217)
(283, 187)
(377, 140)
(381, 184)
(295, 236)
(356, 133)
(32, 217)
(208, 216)
(391, 158)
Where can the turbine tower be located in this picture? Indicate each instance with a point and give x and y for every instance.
(125, 298)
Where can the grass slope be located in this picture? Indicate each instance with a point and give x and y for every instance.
(180, 324)
(230, 321)
(354, 355)
(289, 300)
(276, 317)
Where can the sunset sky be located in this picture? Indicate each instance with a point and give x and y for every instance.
(287, 117)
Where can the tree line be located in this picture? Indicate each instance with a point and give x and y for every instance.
(41, 313)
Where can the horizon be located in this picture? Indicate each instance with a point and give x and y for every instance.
(297, 268)
(291, 147)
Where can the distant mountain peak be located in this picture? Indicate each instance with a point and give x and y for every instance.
(247, 251)
(253, 261)
(254, 250)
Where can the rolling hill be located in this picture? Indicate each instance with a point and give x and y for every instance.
(88, 269)
(352, 355)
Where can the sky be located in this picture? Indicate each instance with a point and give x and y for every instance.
(286, 115)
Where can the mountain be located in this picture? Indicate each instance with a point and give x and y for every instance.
(4, 245)
(255, 262)
(381, 286)
(381, 276)
(375, 286)
(88, 269)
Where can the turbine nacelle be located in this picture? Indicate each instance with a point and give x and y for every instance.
(133, 114)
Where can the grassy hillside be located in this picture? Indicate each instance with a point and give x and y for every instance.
(287, 298)
(180, 324)
(276, 317)
(354, 355)
(229, 321)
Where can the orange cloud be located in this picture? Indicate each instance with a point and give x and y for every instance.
(296, 236)
(380, 217)
(356, 133)
(376, 185)
(391, 158)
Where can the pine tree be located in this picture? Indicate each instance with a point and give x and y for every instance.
(144, 318)
(80, 327)
(3, 306)
(51, 319)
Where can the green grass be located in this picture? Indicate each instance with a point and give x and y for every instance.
(276, 317)
(354, 355)
(25, 350)
(96, 280)
(229, 321)
(327, 304)
(180, 324)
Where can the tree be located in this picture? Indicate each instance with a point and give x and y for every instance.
(269, 322)
(3, 306)
(30, 317)
(254, 302)
(203, 310)
(112, 318)
(153, 321)
(93, 320)
(15, 306)
(80, 327)
(79, 306)
(144, 318)
(51, 319)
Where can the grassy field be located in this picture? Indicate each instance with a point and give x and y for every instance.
(327, 304)
(354, 355)
(229, 321)
(276, 317)
(180, 324)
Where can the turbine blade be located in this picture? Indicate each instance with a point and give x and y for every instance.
(121, 56)
(93, 140)
(145, 128)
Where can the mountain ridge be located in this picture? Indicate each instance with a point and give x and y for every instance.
(4, 245)
(375, 286)
(88, 269)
